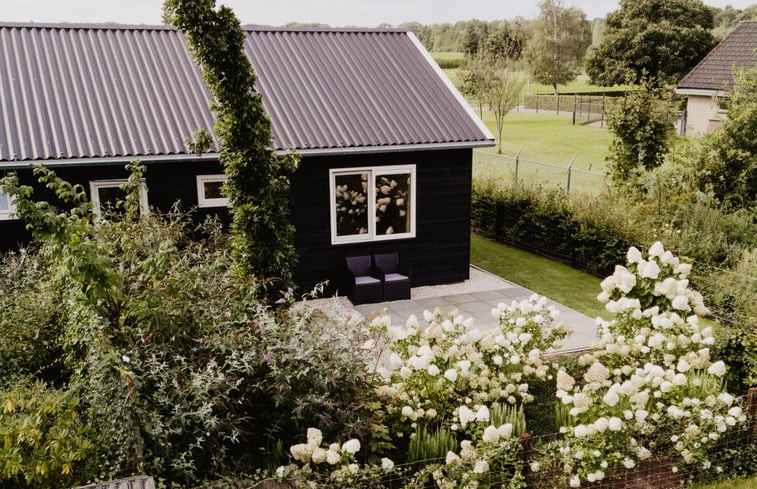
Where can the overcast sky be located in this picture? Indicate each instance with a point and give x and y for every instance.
(366, 13)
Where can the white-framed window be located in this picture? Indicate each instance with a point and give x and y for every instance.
(372, 203)
(6, 207)
(105, 194)
(210, 191)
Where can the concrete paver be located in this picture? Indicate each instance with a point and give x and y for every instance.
(478, 304)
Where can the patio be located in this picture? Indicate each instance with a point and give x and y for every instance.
(475, 298)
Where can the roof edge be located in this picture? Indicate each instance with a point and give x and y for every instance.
(705, 92)
(105, 161)
(391, 149)
(162, 27)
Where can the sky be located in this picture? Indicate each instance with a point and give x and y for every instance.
(364, 13)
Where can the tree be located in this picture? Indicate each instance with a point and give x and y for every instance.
(664, 38)
(727, 162)
(641, 125)
(501, 85)
(556, 51)
(258, 179)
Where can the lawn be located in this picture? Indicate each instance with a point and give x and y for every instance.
(561, 283)
(549, 143)
(750, 483)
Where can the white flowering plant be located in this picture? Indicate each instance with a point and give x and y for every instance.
(447, 373)
(321, 465)
(648, 386)
(490, 460)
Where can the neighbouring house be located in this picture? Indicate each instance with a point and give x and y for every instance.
(386, 140)
(712, 78)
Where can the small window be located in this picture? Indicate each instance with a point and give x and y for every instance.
(372, 204)
(211, 192)
(6, 207)
(106, 193)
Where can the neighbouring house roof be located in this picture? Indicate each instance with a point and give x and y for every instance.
(715, 72)
(83, 92)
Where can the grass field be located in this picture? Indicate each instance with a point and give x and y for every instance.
(561, 283)
(750, 483)
(549, 139)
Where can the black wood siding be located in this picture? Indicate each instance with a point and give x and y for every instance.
(440, 252)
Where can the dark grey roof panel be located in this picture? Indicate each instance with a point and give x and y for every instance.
(83, 91)
(715, 71)
(96, 92)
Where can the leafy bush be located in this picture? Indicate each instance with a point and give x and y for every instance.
(44, 442)
(171, 361)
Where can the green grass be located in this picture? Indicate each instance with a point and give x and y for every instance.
(550, 139)
(561, 283)
(750, 483)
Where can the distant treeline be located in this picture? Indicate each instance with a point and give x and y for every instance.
(463, 36)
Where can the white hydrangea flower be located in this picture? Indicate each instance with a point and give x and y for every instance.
(351, 446)
(717, 369)
(387, 464)
(657, 249)
(452, 458)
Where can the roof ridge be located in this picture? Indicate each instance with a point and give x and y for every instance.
(134, 27)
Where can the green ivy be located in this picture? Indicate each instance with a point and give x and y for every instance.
(258, 179)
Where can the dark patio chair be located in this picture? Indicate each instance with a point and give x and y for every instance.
(365, 284)
(395, 277)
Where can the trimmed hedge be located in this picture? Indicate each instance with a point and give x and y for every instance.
(547, 222)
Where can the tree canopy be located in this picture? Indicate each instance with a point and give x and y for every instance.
(662, 38)
(557, 47)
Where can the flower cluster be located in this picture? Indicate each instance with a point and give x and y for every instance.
(332, 465)
(448, 372)
(333, 454)
(493, 456)
(649, 383)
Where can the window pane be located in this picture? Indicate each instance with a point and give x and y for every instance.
(351, 191)
(109, 196)
(393, 203)
(213, 189)
(5, 203)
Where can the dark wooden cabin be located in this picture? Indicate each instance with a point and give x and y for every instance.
(386, 141)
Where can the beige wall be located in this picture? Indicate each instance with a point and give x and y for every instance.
(701, 115)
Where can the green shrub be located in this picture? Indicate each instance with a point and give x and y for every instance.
(44, 442)
(181, 371)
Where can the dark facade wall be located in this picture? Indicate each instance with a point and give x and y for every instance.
(166, 183)
(440, 252)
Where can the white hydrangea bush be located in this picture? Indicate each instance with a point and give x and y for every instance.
(491, 460)
(447, 373)
(649, 385)
(318, 464)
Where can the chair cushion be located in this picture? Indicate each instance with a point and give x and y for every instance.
(366, 280)
(393, 277)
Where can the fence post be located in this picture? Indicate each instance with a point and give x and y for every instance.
(537, 102)
(517, 163)
(569, 171)
(558, 104)
(602, 109)
(751, 411)
(575, 106)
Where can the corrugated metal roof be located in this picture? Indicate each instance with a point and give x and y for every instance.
(99, 91)
(715, 71)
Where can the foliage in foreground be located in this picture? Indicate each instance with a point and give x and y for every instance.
(157, 356)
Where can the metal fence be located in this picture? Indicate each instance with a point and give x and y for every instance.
(136, 482)
(567, 176)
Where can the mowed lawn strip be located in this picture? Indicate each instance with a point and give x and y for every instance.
(561, 283)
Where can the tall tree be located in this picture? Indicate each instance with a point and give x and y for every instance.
(662, 38)
(258, 179)
(642, 126)
(560, 38)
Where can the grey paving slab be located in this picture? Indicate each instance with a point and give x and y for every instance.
(478, 305)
